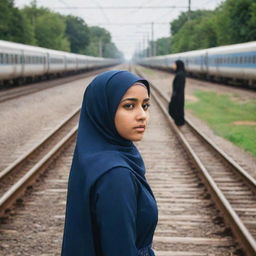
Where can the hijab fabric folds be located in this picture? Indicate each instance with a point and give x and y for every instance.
(180, 66)
(99, 148)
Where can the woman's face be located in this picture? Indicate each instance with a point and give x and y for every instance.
(174, 66)
(132, 114)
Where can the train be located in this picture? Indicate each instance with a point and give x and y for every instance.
(21, 63)
(234, 64)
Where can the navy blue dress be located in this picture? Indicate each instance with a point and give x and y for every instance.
(111, 210)
(124, 214)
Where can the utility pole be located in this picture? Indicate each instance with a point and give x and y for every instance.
(100, 48)
(189, 9)
(152, 37)
(148, 47)
(144, 46)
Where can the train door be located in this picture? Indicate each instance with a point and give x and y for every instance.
(206, 63)
(201, 64)
(22, 62)
(47, 63)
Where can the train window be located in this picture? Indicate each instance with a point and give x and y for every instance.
(1, 58)
(254, 59)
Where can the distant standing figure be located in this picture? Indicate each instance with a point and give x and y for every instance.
(176, 105)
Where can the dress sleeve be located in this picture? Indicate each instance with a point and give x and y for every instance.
(115, 210)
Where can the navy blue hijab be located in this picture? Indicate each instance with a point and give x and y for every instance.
(99, 148)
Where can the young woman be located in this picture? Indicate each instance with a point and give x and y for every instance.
(176, 105)
(111, 210)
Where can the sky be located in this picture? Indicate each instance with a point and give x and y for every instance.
(128, 21)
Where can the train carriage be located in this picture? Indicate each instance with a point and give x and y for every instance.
(21, 62)
(233, 63)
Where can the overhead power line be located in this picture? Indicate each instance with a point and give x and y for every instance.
(130, 24)
(122, 7)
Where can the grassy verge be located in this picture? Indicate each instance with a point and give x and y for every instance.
(148, 71)
(220, 112)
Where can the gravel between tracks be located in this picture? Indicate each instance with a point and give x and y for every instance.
(28, 119)
(185, 212)
(164, 81)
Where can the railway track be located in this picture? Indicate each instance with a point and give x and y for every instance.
(17, 177)
(231, 188)
(189, 223)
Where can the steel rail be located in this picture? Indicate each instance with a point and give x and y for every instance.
(18, 189)
(244, 237)
(20, 161)
(249, 180)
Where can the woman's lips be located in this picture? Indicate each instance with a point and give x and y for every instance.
(140, 128)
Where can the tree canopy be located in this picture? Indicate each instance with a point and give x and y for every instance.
(46, 28)
(234, 21)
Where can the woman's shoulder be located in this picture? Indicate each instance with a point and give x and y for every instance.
(118, 173)
(118, 178)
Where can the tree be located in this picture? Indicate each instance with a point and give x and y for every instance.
(111, 51)
(163, 46)
(236, 22)
(50, 31)
(13, 24)
(100, 44)
(178, 23)
(78, 34)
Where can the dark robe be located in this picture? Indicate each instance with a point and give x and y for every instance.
(176, 105)
(111, 210)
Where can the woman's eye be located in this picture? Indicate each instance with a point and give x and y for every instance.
(129, 106)
(146, 106)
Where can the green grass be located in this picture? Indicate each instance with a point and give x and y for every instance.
(220, 111)
(148, 71)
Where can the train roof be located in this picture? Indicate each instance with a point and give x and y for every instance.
(19, 46)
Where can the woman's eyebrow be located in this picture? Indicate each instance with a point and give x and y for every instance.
(134, 99)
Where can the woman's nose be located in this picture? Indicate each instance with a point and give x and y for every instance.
(141, 114)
